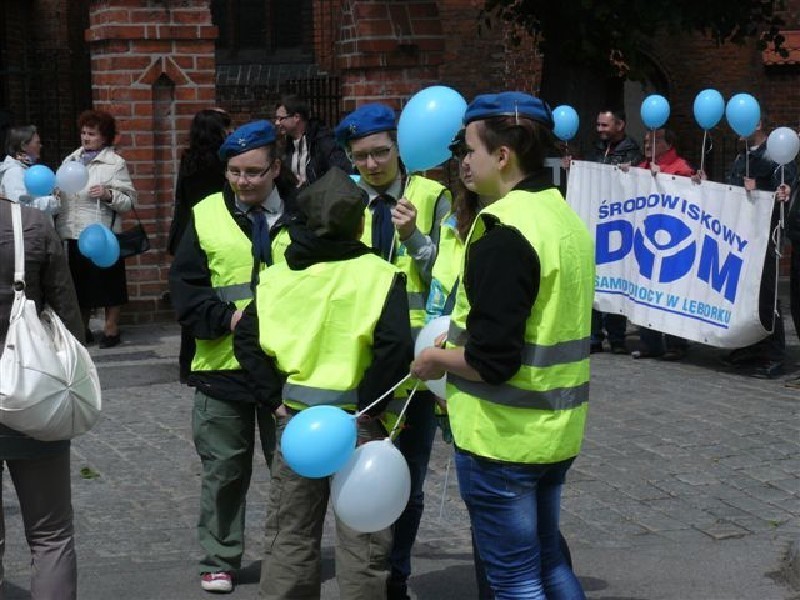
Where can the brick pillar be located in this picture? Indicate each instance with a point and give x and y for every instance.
(388, 50)
(153, 68)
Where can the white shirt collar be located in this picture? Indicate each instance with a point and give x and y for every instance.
(273, 205)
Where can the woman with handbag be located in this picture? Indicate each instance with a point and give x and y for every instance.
(40, 470)
(109, 191)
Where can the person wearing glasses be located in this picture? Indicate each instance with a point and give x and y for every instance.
(403, 220)
(311, 149)
(231, 237)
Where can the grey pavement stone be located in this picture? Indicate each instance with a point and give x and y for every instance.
(687, 488)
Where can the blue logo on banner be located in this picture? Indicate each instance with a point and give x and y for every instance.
(664, 235)
(669, 239)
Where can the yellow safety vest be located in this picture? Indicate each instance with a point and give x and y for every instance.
(423, 194)
(446, 269)
(230, 260)
(319, 323)
(537, 416)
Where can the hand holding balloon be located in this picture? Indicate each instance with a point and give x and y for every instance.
(404, 218)
(426, 366)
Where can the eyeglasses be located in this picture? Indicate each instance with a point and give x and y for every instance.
(248, 174)
(379, 155)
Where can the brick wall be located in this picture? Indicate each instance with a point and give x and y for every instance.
(153, 68)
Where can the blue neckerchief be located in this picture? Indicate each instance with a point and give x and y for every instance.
(382, 226)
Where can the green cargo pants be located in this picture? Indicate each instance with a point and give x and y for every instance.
(224, 436)
(296, 508)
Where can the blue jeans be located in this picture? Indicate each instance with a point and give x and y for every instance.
(514, 511)
(415, 442)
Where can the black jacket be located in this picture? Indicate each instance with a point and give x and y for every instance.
(190, 189)
(197, 306)
(392, 347)
(323, 152)
(625, 151)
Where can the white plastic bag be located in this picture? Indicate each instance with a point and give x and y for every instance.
(49, 387)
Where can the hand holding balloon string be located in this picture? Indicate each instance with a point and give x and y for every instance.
(404, 218)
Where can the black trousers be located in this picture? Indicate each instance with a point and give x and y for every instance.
(773, 347)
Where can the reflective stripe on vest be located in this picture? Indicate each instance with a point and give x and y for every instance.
(538, 415)
(508, 395)
(310, 396)
(318, 324)
(535, 355)
(234, 292)
(423, 194)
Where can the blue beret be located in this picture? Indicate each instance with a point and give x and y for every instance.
(249, 136)
(508, 104)
(364, 121)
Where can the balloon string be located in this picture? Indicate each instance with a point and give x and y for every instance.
(403, 412)
(389, 391)
(746, 160)
(653, 160)
(703, 151)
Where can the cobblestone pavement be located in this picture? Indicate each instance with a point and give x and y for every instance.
(687, 488)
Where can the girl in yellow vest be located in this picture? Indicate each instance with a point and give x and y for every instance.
(517, 390)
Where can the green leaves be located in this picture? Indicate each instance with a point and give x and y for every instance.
(615, 35)
(89, 473)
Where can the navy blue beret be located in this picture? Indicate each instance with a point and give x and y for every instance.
(508, 104)
(364, 121)
(249, 136)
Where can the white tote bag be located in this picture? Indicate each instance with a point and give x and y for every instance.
(49, 388)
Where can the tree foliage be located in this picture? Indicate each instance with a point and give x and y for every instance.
(614, 35)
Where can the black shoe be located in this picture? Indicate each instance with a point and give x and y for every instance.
(767, 370)
(646, 354)
(109, 341)
(793, 383)
(619, 348)
(740, 356)
(674, 355)
(595, 347)
(89, 337)
(396, 590)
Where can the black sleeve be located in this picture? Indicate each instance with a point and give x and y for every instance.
(501, 283)
(392, 350)
(333, 154)
(196, 304)
(263, 377)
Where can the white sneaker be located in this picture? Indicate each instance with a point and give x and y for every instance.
(221, 582)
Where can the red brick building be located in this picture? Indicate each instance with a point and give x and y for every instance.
(154, 63)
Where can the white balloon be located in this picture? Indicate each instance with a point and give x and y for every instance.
(371, 491)
(783, 145)
(72, 177)
(426, 339)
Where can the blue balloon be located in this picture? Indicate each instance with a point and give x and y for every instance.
(743, 114)
(709, 106)
(110, 252)
(39, 180)
(566, 122)
(427, 126)
(318, 441)
(655, 111)
(92, 241)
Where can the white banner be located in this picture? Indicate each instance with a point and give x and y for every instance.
(673, 255)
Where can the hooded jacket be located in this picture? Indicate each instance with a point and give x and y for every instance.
(323, 152)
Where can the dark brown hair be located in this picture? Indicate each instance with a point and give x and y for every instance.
(105, 123)
(530, 140)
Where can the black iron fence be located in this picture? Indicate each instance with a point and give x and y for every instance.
(49, 90)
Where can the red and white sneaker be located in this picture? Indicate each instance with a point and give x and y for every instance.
(220, 582)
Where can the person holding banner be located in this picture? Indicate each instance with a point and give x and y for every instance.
(403, 220)
(517, 354)
(296, 359)
(666, 160)
(756, 171)
(613, 147)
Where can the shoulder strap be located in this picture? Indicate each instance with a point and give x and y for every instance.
(19, 244)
